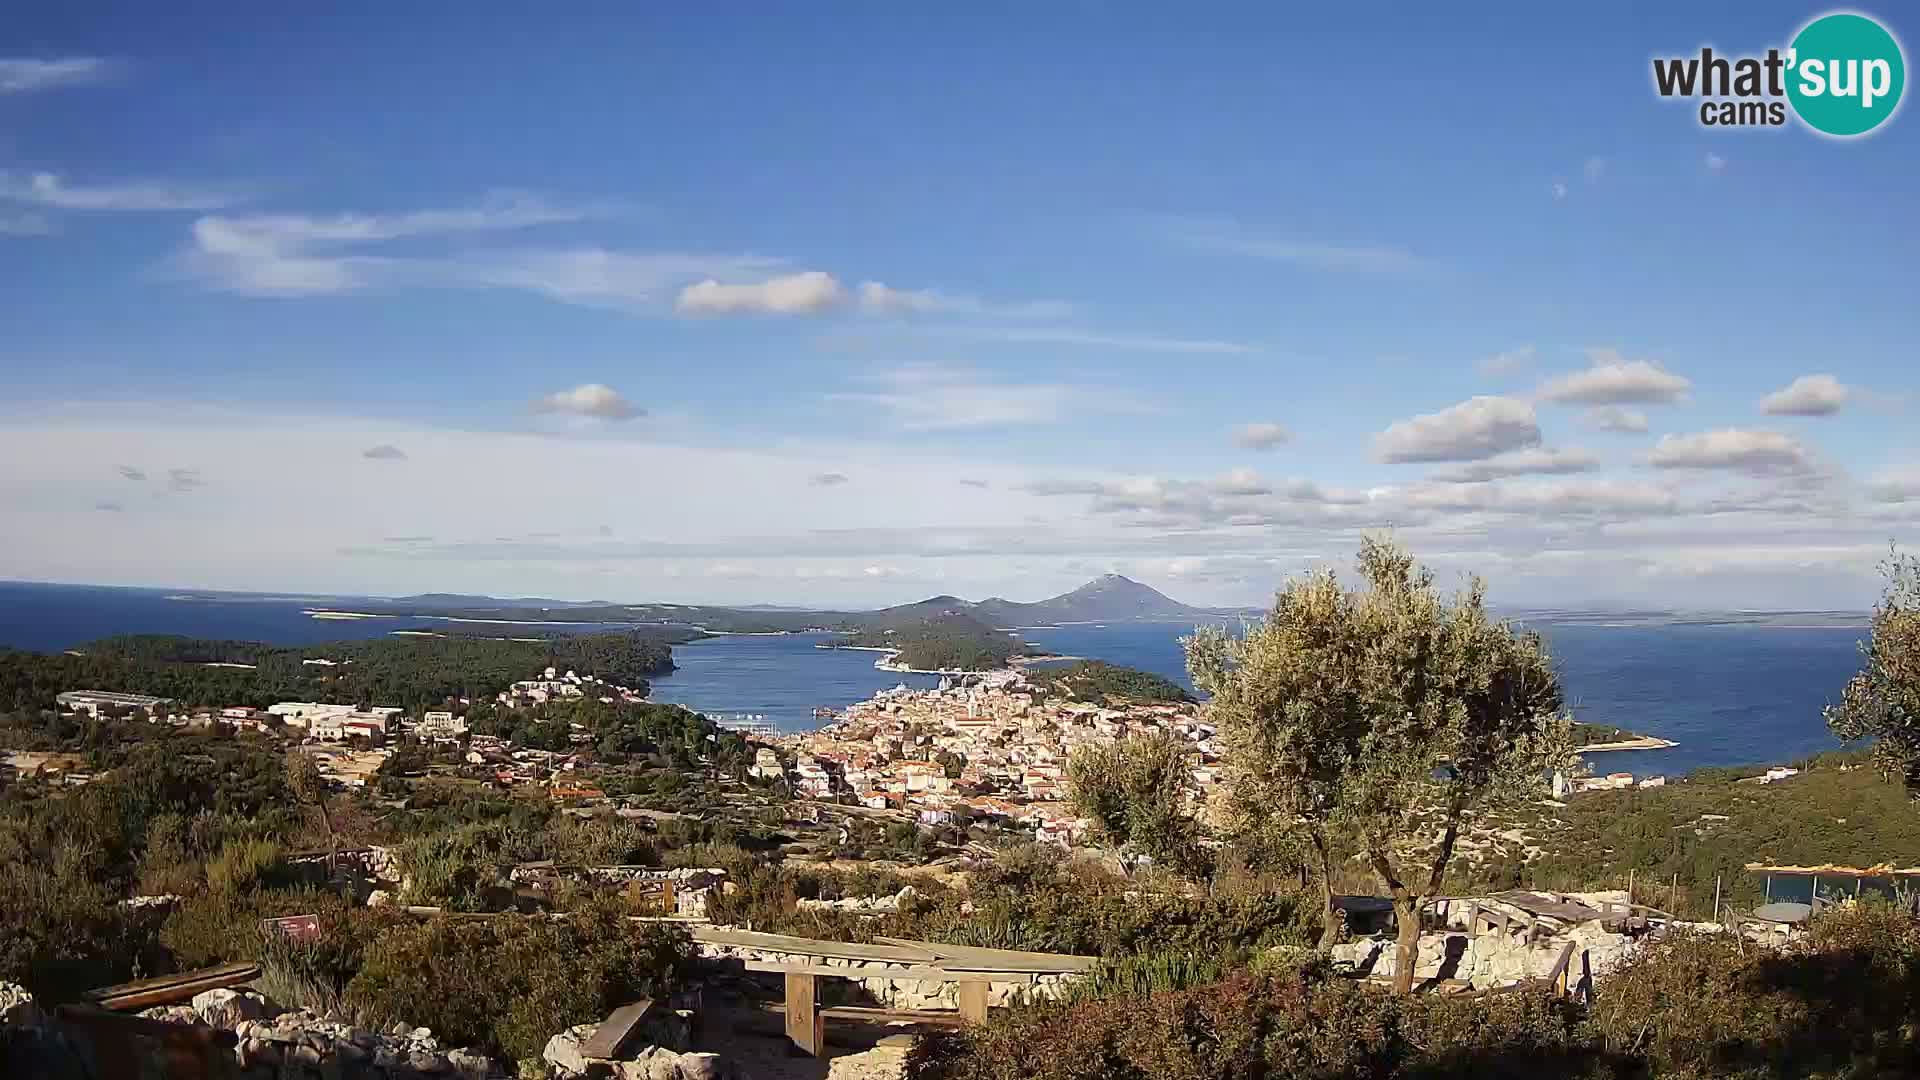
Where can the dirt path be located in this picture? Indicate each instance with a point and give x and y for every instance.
(770, 1057)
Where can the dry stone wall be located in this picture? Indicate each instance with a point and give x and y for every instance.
(895, 993)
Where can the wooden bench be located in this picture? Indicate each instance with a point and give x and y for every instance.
(171, 989)
(617, 1031)
(806, 1020)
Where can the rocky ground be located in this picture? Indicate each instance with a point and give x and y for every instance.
(737, 1036)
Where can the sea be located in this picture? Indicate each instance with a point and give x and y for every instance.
(1732, 693)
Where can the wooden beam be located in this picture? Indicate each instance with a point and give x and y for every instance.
(916, 974)
(171, 989)
(616, 1031)
(864, 1014)
(973, 1002)
(805, 1026)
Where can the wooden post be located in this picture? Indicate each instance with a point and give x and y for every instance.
(1629, 885)
(1716, 898)
(973, 1001)
(1673, 896)
(805, 1026)
(666, 896)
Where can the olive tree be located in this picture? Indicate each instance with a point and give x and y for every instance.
(309, 788)
(1136, 790)
(1373, 720)
(1882, 701)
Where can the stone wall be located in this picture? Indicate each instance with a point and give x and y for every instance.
(897, 993)
(297, 1045)
(691, 885)
(1494, 959)
(372, 864)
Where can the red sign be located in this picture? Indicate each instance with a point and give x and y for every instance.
(297, 927)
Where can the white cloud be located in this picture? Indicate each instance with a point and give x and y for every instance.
(305, 255)
(1536, 461)
(1897, 484)
(1559, 189)
(384, 452)
(1261, 436)
(25, 225)
(1474, 429)
(1808, 395)
(1715, 162)
(827, 479)
(806, 293)
(1037, 335)
(48, 189)
(1547, 498)
(184, 479)
(595, 400)
(1242, 482)
(1617, 419)
(1510, 362)
(283, 232)
(1566, 541)
(1593, 169)
(130, 472)
(1224, 236)
(1615, 380)
(881, 299)
(24, 75)
(1756, 452)
(938, 397)
(589, 277)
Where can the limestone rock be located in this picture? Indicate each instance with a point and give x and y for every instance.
(701, 1067)
(227, 1008)
(18, 1009)
(470, 1064)
(653, 1063)
(563, 1051)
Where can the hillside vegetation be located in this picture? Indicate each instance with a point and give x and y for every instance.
(949, 641)
(1108, 684)
(405, 671)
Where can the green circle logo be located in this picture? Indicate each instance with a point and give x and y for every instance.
(1845, 73)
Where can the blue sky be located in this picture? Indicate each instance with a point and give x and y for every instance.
(626, 293)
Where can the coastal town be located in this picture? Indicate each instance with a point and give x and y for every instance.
(980, 749)
(991, 748)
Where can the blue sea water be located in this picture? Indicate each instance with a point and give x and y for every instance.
(1728, 694)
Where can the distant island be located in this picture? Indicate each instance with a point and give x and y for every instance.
(947, 634)
(1109, 598)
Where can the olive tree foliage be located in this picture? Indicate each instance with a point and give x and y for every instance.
(1136, 792)
(310, 789)
(1882, 701)
(1371, 720)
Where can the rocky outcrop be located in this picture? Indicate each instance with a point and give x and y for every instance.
(565, 1061)
(865, 905)
(295, 1045)
(227, 1008)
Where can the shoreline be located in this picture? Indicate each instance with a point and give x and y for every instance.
(1643, 742)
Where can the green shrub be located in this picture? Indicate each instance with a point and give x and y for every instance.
(510, 983)
(218, 926)
(314, 972)
(244, 866)
(1303, 1025)
(1846, 997)
(1842, 1002)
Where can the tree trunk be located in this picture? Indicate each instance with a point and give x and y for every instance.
(333, 848)
(1330, 927)
(1406, 918)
